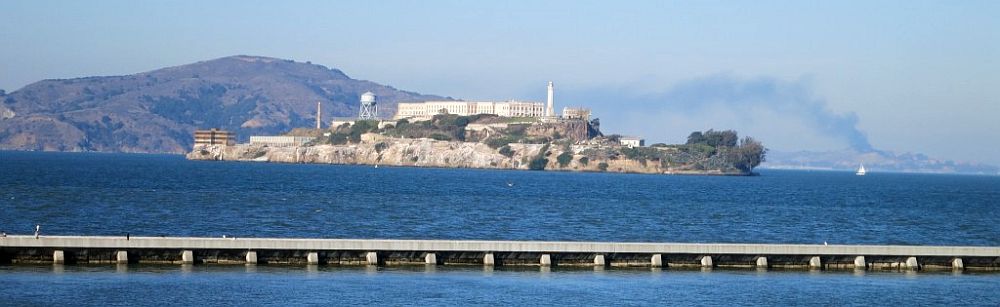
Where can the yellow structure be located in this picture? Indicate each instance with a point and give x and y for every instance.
(214, 137)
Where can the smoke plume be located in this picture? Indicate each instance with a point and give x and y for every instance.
(787, 98)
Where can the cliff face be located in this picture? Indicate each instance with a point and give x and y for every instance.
(432, 153)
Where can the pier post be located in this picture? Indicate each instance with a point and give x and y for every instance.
(58, 257)
(121, 257)
(430, 258)
(762, 262)
(706, 261)
(546, 260)
(912, 264)
(656, 260)
(187, 257)
(371, 258)
(957, 264)
(312, 258)
(488, 260)
(599, 260)
(860, 263)
(251, 257)
(815, 262)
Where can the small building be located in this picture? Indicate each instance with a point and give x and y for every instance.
(214, 137)
(632, 141)
(280, 140)
(576, 113)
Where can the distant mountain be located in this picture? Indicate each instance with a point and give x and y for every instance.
(157, 111)
(875, 161)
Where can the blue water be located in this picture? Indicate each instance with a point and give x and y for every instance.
(111, 194)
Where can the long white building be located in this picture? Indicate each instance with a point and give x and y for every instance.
(512, 108)
(427, 109)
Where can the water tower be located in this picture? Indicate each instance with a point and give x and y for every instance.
(369, 106)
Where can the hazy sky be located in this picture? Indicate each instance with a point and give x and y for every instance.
(910, 75)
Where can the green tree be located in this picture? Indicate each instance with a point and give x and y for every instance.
(749, 154)
(538, 163)
(564, 158)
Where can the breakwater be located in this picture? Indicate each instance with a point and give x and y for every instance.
(128, 250)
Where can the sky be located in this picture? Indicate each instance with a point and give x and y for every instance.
(902, 76)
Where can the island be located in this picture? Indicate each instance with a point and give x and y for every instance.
(488, 141)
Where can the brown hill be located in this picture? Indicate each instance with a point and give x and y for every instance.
(157, 111)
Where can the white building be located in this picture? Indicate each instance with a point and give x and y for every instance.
(576, 113)
(632, 141)
(280, 140)
(426, 110)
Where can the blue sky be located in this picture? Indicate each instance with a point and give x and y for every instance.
(918, 76)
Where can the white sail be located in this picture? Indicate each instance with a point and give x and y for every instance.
(861, 170)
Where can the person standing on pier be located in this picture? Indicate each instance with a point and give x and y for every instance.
(38, 228)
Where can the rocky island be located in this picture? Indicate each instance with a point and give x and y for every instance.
(495, 142)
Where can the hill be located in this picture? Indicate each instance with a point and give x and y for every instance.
(157, 111)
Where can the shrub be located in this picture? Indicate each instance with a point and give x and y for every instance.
(538, 163)
(506, 151)
(380, 147)
(564, 159)
(602, 166)
(584, 161)
(499, 142)
(440, 137)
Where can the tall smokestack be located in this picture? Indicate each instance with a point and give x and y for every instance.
(319, 116)
(550, 109)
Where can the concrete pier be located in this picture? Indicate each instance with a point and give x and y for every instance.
(912, 264)
(656, 261)
(187, 256)
(58, 257)
(761, 262)
(859, 263)
(16, 249)
(599, 260)
(121, 257)
(815, 262)
(706, 261)
(546, 260)
(488, 260)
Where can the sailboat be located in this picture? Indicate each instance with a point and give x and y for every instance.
(861, 170)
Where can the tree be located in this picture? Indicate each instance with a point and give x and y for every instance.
(749, 154)
(564, 158)
(538, 164)
(696, 138)
(727, 138)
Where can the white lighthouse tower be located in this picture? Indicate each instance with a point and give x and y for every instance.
(319, 116)
(550, 108)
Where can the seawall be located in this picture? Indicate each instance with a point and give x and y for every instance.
(123, 250)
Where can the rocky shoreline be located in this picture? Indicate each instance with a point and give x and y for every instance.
(423, 152)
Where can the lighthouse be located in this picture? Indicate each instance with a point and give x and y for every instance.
(550, 108)
(319, 116)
